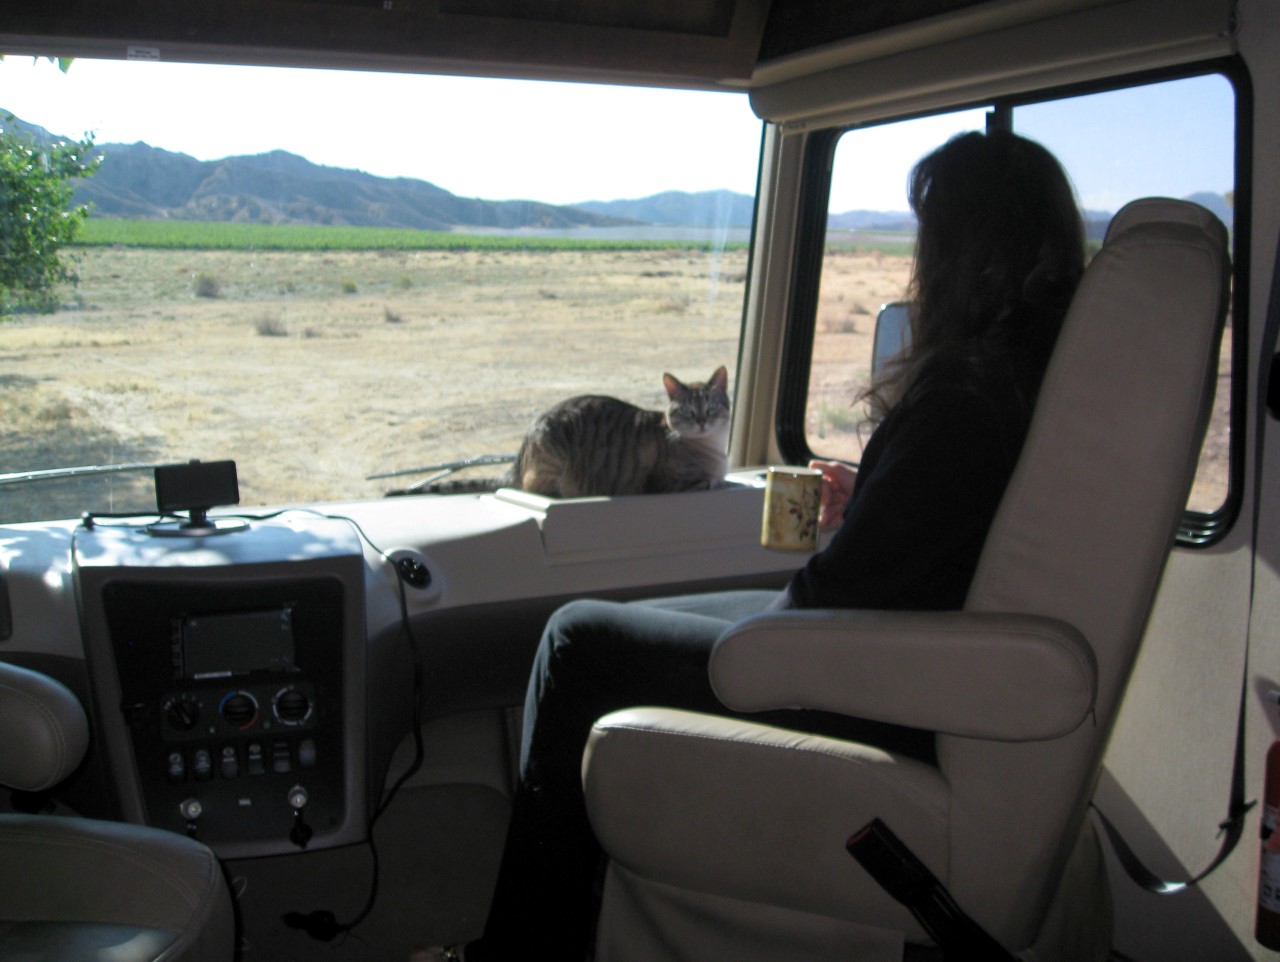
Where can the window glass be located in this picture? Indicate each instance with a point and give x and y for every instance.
(1174, 138)
(328, 275)
(1171, 139)
(866, 266)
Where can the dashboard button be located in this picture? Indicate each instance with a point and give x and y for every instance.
(202, 765)
(177, 768)
(281, 757)
(229, 762)
(255, 761)
(307, 753)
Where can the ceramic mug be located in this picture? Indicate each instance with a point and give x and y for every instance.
(792, 498)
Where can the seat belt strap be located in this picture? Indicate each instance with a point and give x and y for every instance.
(1231, 829)
(898, 871)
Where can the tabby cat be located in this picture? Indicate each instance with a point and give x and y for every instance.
(593, 445)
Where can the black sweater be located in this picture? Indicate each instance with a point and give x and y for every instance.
(928, 487)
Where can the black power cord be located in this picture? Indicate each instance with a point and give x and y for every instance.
(323, 924)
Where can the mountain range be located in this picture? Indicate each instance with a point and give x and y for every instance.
(143, 182)
(139, 181)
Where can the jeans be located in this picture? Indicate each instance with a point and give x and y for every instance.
(596, 657)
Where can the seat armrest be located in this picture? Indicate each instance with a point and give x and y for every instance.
(974, 674)
(43, 730)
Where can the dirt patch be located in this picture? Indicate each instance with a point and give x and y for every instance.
(313, 370)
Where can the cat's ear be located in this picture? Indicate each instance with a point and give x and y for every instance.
(673, 385)
(720, 380)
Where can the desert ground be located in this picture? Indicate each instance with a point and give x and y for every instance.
(315, 370)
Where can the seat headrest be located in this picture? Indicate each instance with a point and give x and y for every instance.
(1163, 210)
(43, 730)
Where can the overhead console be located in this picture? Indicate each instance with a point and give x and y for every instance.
(229, 678)
(705, 43)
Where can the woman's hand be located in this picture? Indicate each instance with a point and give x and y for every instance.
(837, 488)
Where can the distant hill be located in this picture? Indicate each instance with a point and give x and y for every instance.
(1217, 204)
(140, 181)
(678, 208)
(30, 131)
(871, 220)
(1096, 223)
(143, 182)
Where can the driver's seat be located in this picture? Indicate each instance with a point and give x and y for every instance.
(79, 889)
(727, 839)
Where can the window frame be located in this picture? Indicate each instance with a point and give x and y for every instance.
(1196, 528)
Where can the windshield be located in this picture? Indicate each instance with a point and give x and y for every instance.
(330, 275)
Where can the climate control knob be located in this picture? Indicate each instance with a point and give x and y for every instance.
(239, 709)
(182, 714)
(291, 706)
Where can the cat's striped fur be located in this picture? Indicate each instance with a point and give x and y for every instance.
(593, 445)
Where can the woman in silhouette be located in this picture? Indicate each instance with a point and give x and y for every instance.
(999, 252)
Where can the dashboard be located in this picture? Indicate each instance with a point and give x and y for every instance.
(250, 685)
(229, 674)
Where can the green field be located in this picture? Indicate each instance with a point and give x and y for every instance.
(203, 235)
(210, 236)
(893, 243)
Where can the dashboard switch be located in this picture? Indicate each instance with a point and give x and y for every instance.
(255, 761)
(229, 762)
(307, 753)
(177, 768)
(281, 758)
(202, 765)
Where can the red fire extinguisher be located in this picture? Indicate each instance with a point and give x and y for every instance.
(1267, 925)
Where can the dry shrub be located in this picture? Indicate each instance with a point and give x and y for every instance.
(207, 285)
(271, 326)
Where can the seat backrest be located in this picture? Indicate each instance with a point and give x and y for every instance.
(1085, 528)
(43, 730)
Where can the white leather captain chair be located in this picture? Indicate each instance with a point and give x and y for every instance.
(726, 839)
(78, 889)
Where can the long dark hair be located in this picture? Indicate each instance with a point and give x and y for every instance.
(999, 251)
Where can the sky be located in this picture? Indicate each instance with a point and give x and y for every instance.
(566, 143)
(494, 139)
(1172, 139)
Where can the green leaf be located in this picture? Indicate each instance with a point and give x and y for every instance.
(36, 217)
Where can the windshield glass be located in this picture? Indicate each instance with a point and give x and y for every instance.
(329, 275)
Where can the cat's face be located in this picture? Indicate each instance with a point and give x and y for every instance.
(698, 409)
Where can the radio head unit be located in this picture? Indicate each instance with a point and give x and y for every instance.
(231, 645)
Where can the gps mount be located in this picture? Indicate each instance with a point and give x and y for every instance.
(196, 487)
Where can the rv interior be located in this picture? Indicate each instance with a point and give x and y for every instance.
(261, 678)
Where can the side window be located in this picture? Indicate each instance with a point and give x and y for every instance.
(1173, 138)
(866, 264)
